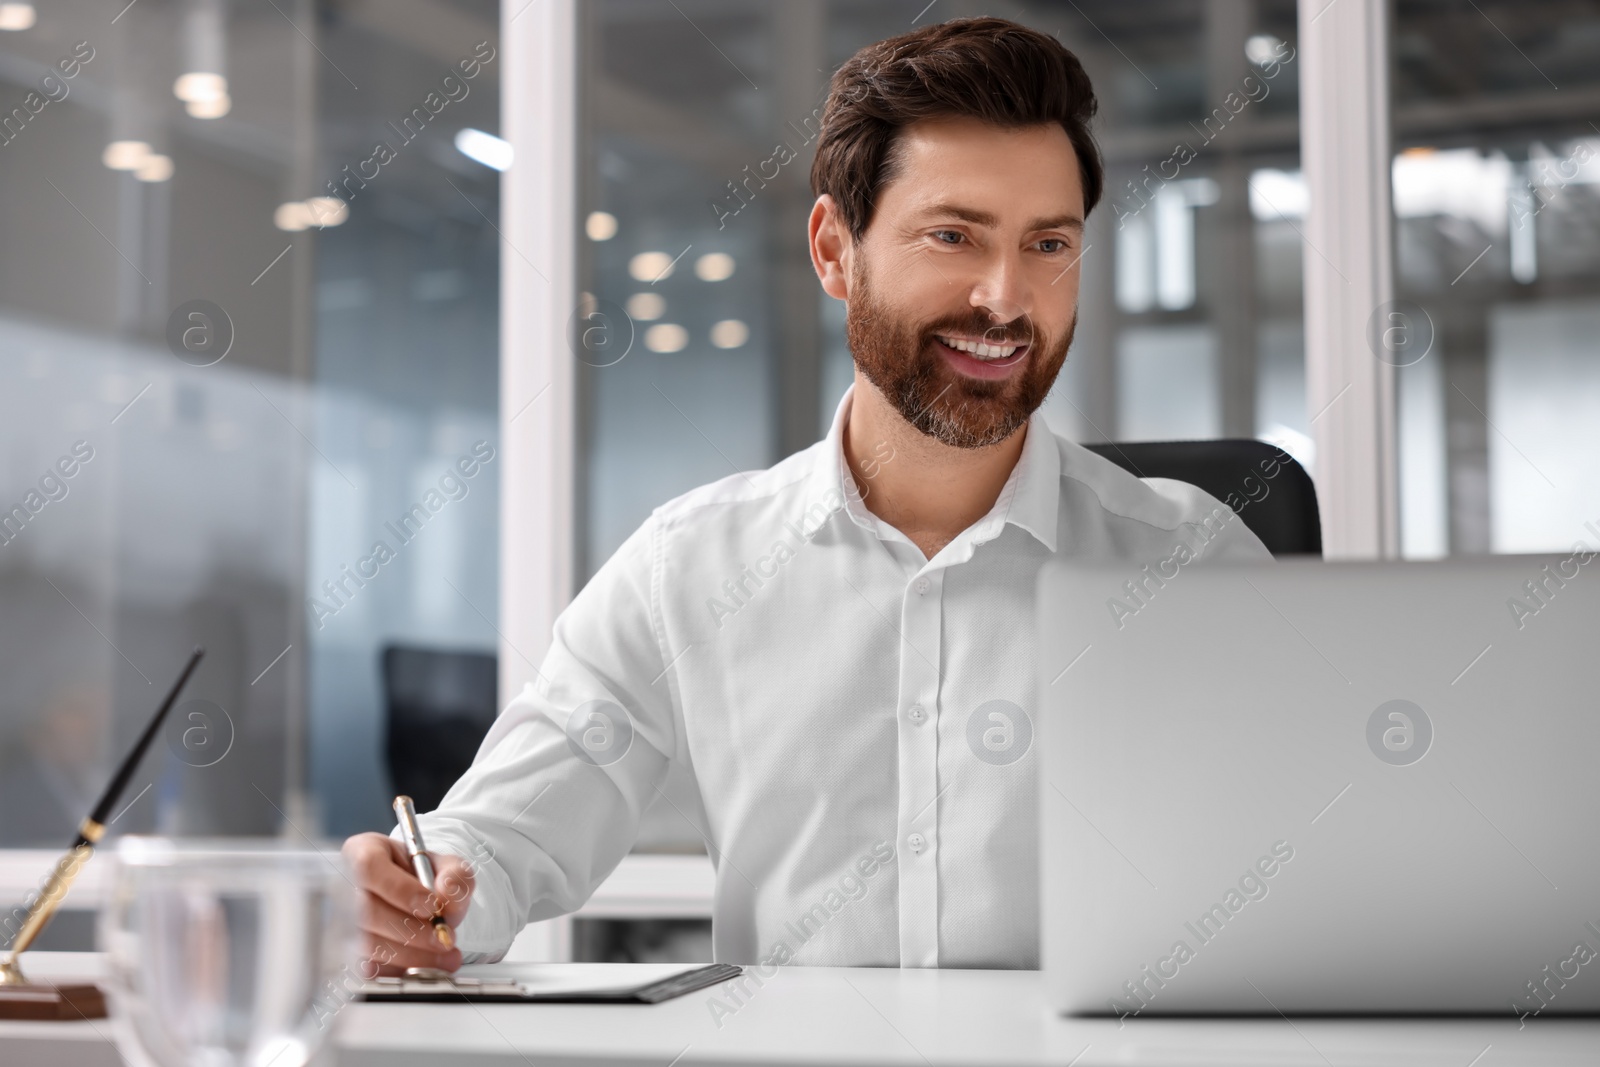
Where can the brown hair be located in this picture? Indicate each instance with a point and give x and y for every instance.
(987, 68)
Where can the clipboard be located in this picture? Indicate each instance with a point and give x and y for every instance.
(543, 984)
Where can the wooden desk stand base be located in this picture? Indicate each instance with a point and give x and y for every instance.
(65, 1002)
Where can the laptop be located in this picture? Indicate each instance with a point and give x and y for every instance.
(1321, 788)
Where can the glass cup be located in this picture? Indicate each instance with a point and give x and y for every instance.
(227, 952)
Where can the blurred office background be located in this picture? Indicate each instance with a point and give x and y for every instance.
(222, 500)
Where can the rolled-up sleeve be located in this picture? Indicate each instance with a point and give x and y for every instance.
(553, 799)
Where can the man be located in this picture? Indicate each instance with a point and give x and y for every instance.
(840, 648)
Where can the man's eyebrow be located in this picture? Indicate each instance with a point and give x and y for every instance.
(985, 218)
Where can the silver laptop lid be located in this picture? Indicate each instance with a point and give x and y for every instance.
(1309, 787)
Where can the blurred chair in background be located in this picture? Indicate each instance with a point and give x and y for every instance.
(438, 707)
(1271, 492)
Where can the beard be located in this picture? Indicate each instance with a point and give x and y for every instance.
(899, 358)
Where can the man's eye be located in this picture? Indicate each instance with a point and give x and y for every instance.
(940, 235)
(1063, 246)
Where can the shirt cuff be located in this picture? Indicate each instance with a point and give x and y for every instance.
(485, 933)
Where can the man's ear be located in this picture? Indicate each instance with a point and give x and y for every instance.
(831, 248)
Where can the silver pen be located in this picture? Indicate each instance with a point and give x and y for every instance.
(407, 814)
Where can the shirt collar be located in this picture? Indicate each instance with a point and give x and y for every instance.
(1030, 498)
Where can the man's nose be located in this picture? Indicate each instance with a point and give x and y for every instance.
(1003, 289)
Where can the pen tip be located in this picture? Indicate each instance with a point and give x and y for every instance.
(442, 932)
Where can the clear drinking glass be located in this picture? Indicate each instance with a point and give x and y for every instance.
(227, 952)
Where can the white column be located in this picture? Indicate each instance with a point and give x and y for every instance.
(538, 202)
(538, 205)
(1345, 148)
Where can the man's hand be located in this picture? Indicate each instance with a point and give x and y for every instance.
(397, 913)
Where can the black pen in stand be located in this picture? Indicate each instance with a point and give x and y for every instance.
(20, 998)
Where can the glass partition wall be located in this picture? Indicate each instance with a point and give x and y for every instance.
(248, 328)
(1496, 187)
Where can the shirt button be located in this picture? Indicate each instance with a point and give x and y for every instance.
(922, 586)
(917, 843)
(916, 714)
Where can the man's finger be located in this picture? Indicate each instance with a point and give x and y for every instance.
(391, 958)
(380, 918)
(383, 869)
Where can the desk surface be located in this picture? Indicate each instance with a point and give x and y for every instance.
(817, 1015)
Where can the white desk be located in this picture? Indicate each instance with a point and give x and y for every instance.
(848, 1016)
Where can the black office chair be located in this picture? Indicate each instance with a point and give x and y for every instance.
(1271, 492)
(439, 705)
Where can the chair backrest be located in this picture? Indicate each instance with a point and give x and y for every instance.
(438, 707)
(1263, 484)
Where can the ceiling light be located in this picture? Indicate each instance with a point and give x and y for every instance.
(1262, 49)
(485, 148)
(154, 168)
(17, 16)
(125, 155)
(646, 307)
(666, 337)
(293, 216)
(650, 266)
(210, 109)
(714, 267)
(600, 226)
(729, 333)
(327, 210)
(198, 86)
(203, 57)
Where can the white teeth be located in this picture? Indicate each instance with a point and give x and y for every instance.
(981, 351)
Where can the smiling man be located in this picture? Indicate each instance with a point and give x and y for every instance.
(840, 648)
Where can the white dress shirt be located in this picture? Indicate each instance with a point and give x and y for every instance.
(858, 718)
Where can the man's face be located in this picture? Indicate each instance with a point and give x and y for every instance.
(975, 241)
